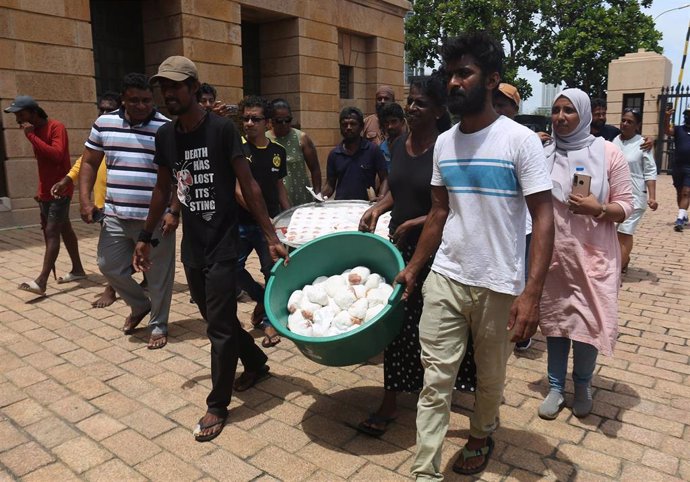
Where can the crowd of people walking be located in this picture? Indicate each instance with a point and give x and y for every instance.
(503, 231)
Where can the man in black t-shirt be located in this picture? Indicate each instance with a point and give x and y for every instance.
(201, 153)
(267, 161)
(681, 165)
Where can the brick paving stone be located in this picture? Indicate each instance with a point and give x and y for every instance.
(56, 471)
(10, 394)
(25, 376)
(148, 422)
(131, 447)
(47, 392)
(660, 461)
(65, 373)
(590, 460)
(114, 470)
(331, 459)
(130, 385)
(181, 441)
(73, 408)
(100, 426)
(167, 467)
(637, 472)
(25, 458)
(81, 454)
(223, 465)
(116, 404)
(375, 472)
(25, 412)
(89, 387)
(283, 465)
(10, 437)
(282, 435)
(242, 443)
(51, 432)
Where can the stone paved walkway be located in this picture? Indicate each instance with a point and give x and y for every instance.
(78, 400)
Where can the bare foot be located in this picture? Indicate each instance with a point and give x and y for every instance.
(107, 298)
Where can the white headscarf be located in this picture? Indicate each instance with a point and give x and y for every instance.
(577, 149)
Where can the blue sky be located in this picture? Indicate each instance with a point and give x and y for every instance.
(673, 25)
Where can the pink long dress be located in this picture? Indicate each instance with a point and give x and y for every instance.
(580, 299)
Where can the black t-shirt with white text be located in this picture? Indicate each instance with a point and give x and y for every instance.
(268, 165)
(200, 162)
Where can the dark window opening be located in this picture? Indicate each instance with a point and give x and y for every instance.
(345, 80)
(251, 59)
(634, 101)
(118, 41)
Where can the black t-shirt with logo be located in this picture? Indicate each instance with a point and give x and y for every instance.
(268, 165)
(200, 162)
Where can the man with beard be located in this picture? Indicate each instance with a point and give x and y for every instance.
(486, 171)
(372, 127)
(353, 165)
(599, 127)
(681, 166)
(202, 153)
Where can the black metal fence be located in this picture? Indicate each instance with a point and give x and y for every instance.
(677, 99)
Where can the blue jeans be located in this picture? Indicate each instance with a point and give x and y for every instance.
(584, 361)
(252, 239)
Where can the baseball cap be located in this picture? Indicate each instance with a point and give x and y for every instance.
(175, 68)
(510, 91)
(21, 102)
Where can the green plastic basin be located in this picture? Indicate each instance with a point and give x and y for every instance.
(326, 256)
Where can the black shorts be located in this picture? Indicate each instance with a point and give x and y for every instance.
(55, 211)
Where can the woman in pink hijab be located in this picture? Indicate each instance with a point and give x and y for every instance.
(580, 301)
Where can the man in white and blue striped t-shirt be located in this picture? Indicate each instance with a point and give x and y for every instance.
(127, 137)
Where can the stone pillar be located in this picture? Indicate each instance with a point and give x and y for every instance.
(641, 72)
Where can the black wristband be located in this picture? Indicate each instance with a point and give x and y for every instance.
(174, 213)
(144, 237)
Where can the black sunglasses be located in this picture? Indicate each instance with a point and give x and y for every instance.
(253, 118)
(631, 110)
(284, 121)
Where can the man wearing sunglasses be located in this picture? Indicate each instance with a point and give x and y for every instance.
(268, 164)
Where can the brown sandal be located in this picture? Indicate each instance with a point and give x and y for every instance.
(250, 378)
(132, 321)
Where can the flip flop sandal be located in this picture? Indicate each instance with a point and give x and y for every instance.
(32, 287)
(248, 379)
(200, 427)
(133, 321)
(466, 453)
(366, 428)
(155, 338)
(70, 277)
(270, 340)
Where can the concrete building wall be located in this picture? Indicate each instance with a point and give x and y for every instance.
(46, 51)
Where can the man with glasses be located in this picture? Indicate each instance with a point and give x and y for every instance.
(125, 139)
(300, 152)
(108, 102)
(268, 164)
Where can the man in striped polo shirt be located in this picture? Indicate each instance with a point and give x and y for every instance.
(127, 137)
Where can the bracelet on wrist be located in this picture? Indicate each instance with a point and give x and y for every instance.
(174, 213)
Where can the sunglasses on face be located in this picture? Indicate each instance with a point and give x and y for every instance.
(631, 110)
(253, 118)
(284, 121)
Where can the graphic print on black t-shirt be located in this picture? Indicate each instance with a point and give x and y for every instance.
(195, 183)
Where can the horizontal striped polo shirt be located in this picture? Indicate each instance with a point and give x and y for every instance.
(129, 151)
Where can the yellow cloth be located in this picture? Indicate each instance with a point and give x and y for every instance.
(98, 187)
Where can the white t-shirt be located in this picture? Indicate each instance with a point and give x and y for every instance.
(642, 168)
(487, 174)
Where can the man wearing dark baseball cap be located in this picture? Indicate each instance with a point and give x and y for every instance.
(21, 102)
(202, 153)
(48, 138)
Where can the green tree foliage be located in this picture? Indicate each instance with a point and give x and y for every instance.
(569, 41)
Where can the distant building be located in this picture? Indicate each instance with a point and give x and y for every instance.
(548, 94)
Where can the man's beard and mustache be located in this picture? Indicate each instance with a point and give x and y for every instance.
(598, 123)
(467, 102)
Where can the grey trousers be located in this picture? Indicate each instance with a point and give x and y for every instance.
(115, 249)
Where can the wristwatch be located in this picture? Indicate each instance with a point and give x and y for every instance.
(174, 213)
